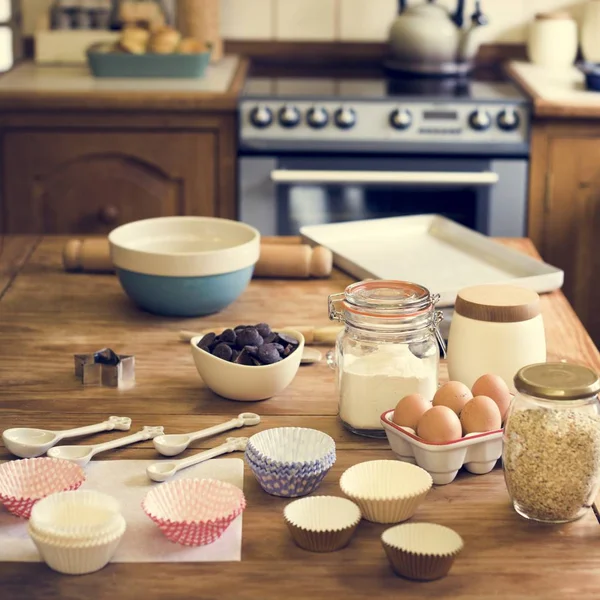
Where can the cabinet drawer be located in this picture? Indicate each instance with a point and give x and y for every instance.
(91, 182)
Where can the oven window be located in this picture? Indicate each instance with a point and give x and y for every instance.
(301, 205)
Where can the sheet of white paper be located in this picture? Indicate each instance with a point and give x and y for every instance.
(127, 481)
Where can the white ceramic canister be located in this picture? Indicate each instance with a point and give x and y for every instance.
(590, 32)
(495, 329)
(552, 40)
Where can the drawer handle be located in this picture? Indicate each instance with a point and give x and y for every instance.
(108, 214)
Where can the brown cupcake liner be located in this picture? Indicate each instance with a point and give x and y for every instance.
(421, 567)
(321, 541)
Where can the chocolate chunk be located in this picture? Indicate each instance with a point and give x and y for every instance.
(207, 341)
(271, 338)
(244, 358)
(248, 337)
(234, 355)
(278, 347)
(223, 351)
(288, 350)
(228, 336)
(263, 329)
(268, 354)
(251, 350)
(256, 362)
(239, 327)
(106, 357)
(286, 339)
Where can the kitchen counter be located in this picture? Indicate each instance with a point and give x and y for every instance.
(46, 315)
(43, 87)
(555, 92)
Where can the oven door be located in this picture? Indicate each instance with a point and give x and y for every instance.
(278, 195)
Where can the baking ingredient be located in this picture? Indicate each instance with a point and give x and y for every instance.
(495, 388)
(454, 395)
(250, 345)
(439, 424)
(372, 383)
(480, 414)
(410, 409)
(551, 462)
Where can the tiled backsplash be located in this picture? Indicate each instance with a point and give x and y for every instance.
(344, 20)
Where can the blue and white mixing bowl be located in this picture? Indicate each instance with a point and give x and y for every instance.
(184, 266)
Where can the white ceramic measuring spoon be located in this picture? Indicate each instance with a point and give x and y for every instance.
(82, 455)
(175, 443)
(161, 471)
(28, 442)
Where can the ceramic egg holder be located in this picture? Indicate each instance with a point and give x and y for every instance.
(105, 368)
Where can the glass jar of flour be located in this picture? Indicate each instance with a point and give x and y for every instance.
(389, 348)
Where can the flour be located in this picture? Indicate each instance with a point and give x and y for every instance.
(374, 383)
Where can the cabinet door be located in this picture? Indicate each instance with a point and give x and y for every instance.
(90, 182)
(571, 233)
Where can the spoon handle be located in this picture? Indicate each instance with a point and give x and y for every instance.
(147, 433)
(215, 429)
(231, 445)
(120, 423)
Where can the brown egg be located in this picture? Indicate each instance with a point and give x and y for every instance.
(410, 409)
(439, 424)
(494, 387)
(480, 414)
(454, 395)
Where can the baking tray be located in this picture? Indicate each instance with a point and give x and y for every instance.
(430, 250)
(121, 64)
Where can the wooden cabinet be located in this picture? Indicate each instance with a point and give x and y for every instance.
(564, 215)
(91, 181)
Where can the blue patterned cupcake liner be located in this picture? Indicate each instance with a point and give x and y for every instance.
(291, 469)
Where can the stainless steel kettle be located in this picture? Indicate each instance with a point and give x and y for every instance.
(427, 39)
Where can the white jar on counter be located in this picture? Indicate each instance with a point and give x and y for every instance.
(388, 349)
(552, 40)
(590, 32)
(495, 329)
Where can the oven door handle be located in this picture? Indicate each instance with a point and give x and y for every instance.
(386, 177)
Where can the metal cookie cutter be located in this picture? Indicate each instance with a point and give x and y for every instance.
(105, 368)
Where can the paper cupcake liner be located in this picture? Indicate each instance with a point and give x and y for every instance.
(286, 485)
(298, 446)
(387, 491)
(76, 515)
(322, 523)
(194, 512)
(422, 551)
(291, 470)
(73, 559)
(24, 482)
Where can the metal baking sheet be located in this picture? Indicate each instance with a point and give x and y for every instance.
(430, 250)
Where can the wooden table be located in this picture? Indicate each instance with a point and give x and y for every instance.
(47, 315)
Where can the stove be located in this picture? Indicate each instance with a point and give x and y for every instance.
(323, 149)
(384, 114)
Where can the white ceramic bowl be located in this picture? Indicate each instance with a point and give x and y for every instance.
(244, 382)
(422, 551)
(184, 266)
(387, 491)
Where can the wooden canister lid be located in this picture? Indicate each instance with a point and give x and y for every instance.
(498, 303)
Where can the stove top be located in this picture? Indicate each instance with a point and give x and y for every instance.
(381, 113)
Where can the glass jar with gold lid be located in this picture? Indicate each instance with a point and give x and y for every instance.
(551, 454)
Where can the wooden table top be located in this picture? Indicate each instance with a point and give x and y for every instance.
(47, 315)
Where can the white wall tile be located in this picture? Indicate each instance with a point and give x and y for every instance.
(366, 21)
(507, 20)
(305, 20)
(32, 10)
(247, 19)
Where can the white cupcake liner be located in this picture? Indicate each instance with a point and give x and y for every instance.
(322, 523)
(73, 558)
(386, 491)
(422, 551)
(77, 515)
(291, 446)
(24, 482)
(194, 512)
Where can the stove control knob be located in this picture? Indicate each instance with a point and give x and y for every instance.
(261, 117)
(480, 120)
(345, 118)
(317, 117)
(508, 119)
(289, 116)
(400, 118)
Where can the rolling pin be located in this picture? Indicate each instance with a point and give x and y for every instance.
(293, 261)
(312, 335)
